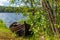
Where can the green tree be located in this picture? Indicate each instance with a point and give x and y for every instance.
(43, 15)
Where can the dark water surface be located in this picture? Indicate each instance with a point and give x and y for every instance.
(9, 18)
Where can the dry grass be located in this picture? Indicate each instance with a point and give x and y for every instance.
(9, 35)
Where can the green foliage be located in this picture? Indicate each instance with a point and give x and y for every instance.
(3, 26)
(12, 1)
(38, 18)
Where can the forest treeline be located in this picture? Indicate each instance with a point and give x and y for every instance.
(9, 9)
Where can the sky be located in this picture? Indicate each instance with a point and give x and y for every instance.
(7, 3)
(4, 2)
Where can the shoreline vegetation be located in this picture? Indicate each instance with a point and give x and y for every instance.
(42, 15)
(6, 34)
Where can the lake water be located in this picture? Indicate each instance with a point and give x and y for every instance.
(9, 18)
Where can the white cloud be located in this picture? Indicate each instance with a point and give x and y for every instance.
(3, 2)
(6, 3)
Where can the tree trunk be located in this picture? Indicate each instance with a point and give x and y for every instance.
(51, 16)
